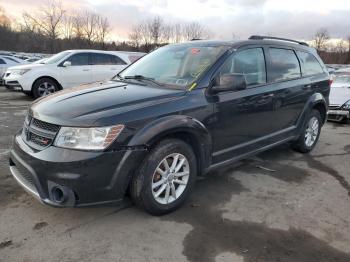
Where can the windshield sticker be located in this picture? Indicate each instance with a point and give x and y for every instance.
(195, 51)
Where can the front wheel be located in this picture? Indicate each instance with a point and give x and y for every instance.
(165, 178)
(310, 133)
(44, 87)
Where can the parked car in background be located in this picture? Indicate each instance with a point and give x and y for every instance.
(67, 69)
(339, 99)
(33, 59)
(7, 61)
(175, 114)
(342, 71)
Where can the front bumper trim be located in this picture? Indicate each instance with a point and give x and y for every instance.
(16, 174)
(339, 112)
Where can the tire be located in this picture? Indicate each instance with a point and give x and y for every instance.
(143, 188)
(44, 86)
(309, 135)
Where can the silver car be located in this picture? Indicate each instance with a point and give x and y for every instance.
(339, 99)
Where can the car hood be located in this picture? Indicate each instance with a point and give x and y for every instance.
(95, 104)
(26, 66)
(340, 93)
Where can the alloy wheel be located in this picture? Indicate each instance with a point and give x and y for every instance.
(46, 88)
(170, 178)
(312, 131)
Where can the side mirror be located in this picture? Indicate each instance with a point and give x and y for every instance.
(229, 82)
(67, 63)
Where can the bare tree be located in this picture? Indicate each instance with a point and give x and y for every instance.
(102, 31)
(47, 20)
(135, 36)
(78, 22)
(4, 20)
(321, 39)
(68, 27)
(177, 33)
(193, 30)
(89, 24)
(155, 28)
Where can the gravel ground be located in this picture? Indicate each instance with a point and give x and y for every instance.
(277, 206)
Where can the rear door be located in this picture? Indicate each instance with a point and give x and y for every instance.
(291, 91)
(78, 73)
(315, 72)
(105, 66)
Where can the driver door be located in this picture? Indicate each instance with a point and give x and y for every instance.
(242, 117)
(79, 72)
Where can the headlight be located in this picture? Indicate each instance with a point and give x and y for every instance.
(18, 71)
(95, 138)
(346, 105)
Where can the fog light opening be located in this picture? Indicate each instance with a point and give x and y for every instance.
(58, 195)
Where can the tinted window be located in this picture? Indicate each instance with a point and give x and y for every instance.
(284, 65)
(116, 60)
(79, 59)
(104, 59)
(309, 64)
(250, 62)
(2, 62)
(57, 57)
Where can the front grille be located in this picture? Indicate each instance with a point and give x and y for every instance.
(38, 134)
(333, 107)
(45, 126)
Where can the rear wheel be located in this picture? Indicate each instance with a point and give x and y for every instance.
(44, 87)
(165, 178)
(310, 133)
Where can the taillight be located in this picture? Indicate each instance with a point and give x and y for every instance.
(330, 82)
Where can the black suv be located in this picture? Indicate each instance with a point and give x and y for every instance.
(175, 114)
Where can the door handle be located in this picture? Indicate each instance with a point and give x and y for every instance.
(306, 87)
(268, 95)
(113, 68)
(86, 70)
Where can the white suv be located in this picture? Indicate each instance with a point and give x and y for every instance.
(67, 69)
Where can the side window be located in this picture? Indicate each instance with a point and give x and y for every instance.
(250, 62)
(81, 59)
(2, 62)
(117, 60)
(284, 65)
(309, 64)
(104, 59)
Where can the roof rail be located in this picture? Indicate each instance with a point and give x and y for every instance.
(261, 37)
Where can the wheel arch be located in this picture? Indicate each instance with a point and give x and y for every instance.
(181, 127)
(49, 77)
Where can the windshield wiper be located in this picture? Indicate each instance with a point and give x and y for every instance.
(142, 78)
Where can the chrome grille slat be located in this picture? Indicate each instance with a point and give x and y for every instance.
(38, 134)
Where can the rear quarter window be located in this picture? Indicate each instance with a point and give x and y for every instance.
(284, 65)
(309, 64)
(105, 59)
(2, 62)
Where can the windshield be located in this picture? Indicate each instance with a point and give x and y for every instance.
(175, 65)
(342, 79)
(54, 59)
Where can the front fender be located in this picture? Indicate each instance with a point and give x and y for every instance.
(169, 125)
(173, 125)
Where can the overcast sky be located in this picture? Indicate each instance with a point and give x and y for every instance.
(298, 18)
